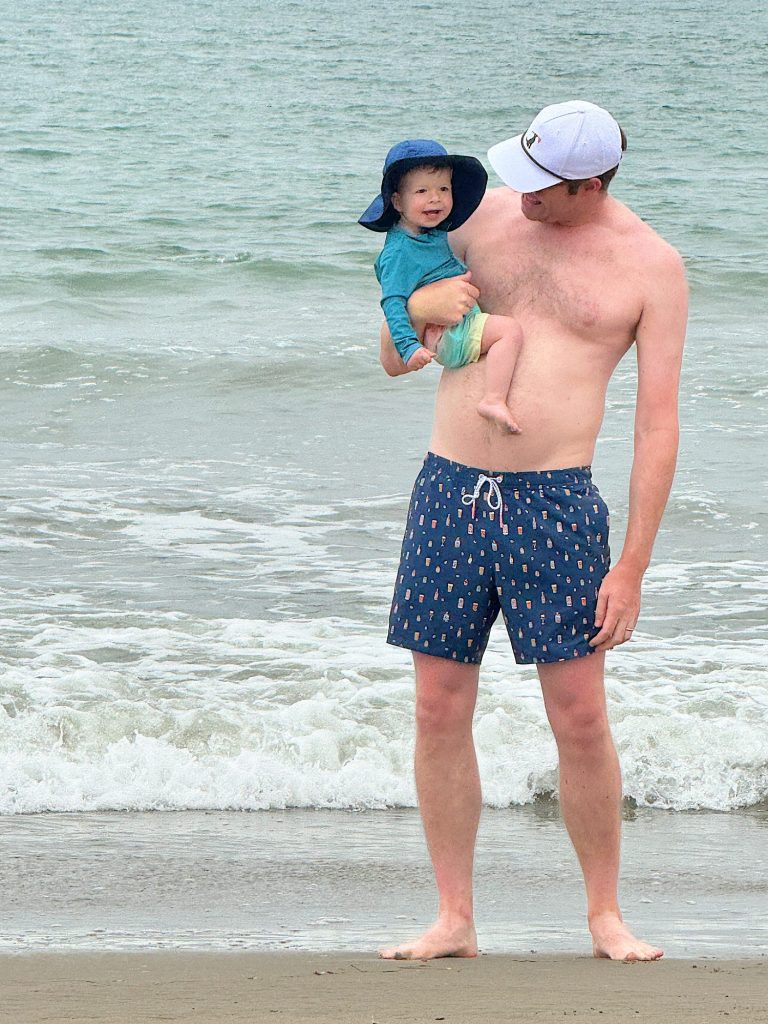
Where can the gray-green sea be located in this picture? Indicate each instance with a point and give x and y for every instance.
(205, 471)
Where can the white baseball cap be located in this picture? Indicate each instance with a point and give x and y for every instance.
(566, 142)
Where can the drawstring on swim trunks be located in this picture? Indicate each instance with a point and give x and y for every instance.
(493, 495)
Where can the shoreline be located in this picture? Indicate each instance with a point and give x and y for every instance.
(324, 881)
(338, 988)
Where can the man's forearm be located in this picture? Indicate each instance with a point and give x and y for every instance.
(443, 302)
(653, 469)
(389, 356)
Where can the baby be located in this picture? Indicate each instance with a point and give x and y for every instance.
(424, 194)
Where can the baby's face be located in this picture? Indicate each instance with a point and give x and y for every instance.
(424, 198)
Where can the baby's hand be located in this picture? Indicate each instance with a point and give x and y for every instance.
(420, 358)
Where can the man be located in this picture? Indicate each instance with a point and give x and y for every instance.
(514, 523)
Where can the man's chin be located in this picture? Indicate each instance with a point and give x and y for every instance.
(532, 208)
(534, 213)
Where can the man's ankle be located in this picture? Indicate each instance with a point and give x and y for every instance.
(596, 917)
(457, 916)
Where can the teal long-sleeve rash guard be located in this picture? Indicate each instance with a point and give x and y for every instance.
(406, 263)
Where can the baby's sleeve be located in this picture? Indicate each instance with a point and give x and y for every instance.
(396, 277)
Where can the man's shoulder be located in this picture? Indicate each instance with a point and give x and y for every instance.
(498, 204)
(654, 250)
(654, 264)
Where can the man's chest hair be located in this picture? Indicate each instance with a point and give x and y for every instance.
(583, 290)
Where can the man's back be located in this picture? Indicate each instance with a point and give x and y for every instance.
(579, 293)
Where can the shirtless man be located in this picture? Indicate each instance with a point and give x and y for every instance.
(505, 523)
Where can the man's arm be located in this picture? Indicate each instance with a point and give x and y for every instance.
(659, 340)
(389, 357)
(443, 302)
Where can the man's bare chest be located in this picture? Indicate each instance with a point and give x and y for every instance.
(584, 292)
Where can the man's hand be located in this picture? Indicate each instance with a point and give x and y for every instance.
(618, 607)
(443, 302)
(420, 358)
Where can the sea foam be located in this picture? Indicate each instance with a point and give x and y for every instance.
(253, 714)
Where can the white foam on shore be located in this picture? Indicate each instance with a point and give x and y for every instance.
(252, 714)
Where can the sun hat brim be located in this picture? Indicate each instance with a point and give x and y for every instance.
(516, 169)
(469, 179)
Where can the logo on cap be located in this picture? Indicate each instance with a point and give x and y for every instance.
(531, 138)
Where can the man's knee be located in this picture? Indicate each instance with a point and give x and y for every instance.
(579, 720)
(574, 696)
(581, 726)
(445, 695)
(586, 724)
(437, 714)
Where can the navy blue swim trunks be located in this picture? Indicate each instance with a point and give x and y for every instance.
(531, 545)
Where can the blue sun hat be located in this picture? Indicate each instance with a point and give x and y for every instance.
(468, 179)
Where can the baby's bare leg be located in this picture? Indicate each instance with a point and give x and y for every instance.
(501, 343)
(432, 336)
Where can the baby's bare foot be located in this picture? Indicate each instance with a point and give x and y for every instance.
(442, 939)
(498, 413)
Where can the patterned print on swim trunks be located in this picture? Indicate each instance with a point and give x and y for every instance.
(531, 545)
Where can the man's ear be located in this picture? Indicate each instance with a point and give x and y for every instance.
(592, 185)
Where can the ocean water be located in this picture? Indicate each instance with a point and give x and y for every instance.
(205, 472)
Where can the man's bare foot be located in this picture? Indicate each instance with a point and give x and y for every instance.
(442, 939)
(612, 940)
(498, 413)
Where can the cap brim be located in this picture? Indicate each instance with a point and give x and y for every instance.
(517, 170)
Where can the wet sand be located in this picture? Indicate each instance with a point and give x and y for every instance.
(325, 881)
(215, 988)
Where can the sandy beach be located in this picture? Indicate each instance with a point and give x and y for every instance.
(126, 919)
(211, 988)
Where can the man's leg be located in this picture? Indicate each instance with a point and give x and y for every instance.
(448, 785)
(590, 796)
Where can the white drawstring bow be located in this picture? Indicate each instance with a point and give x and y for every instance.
(493, 495)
